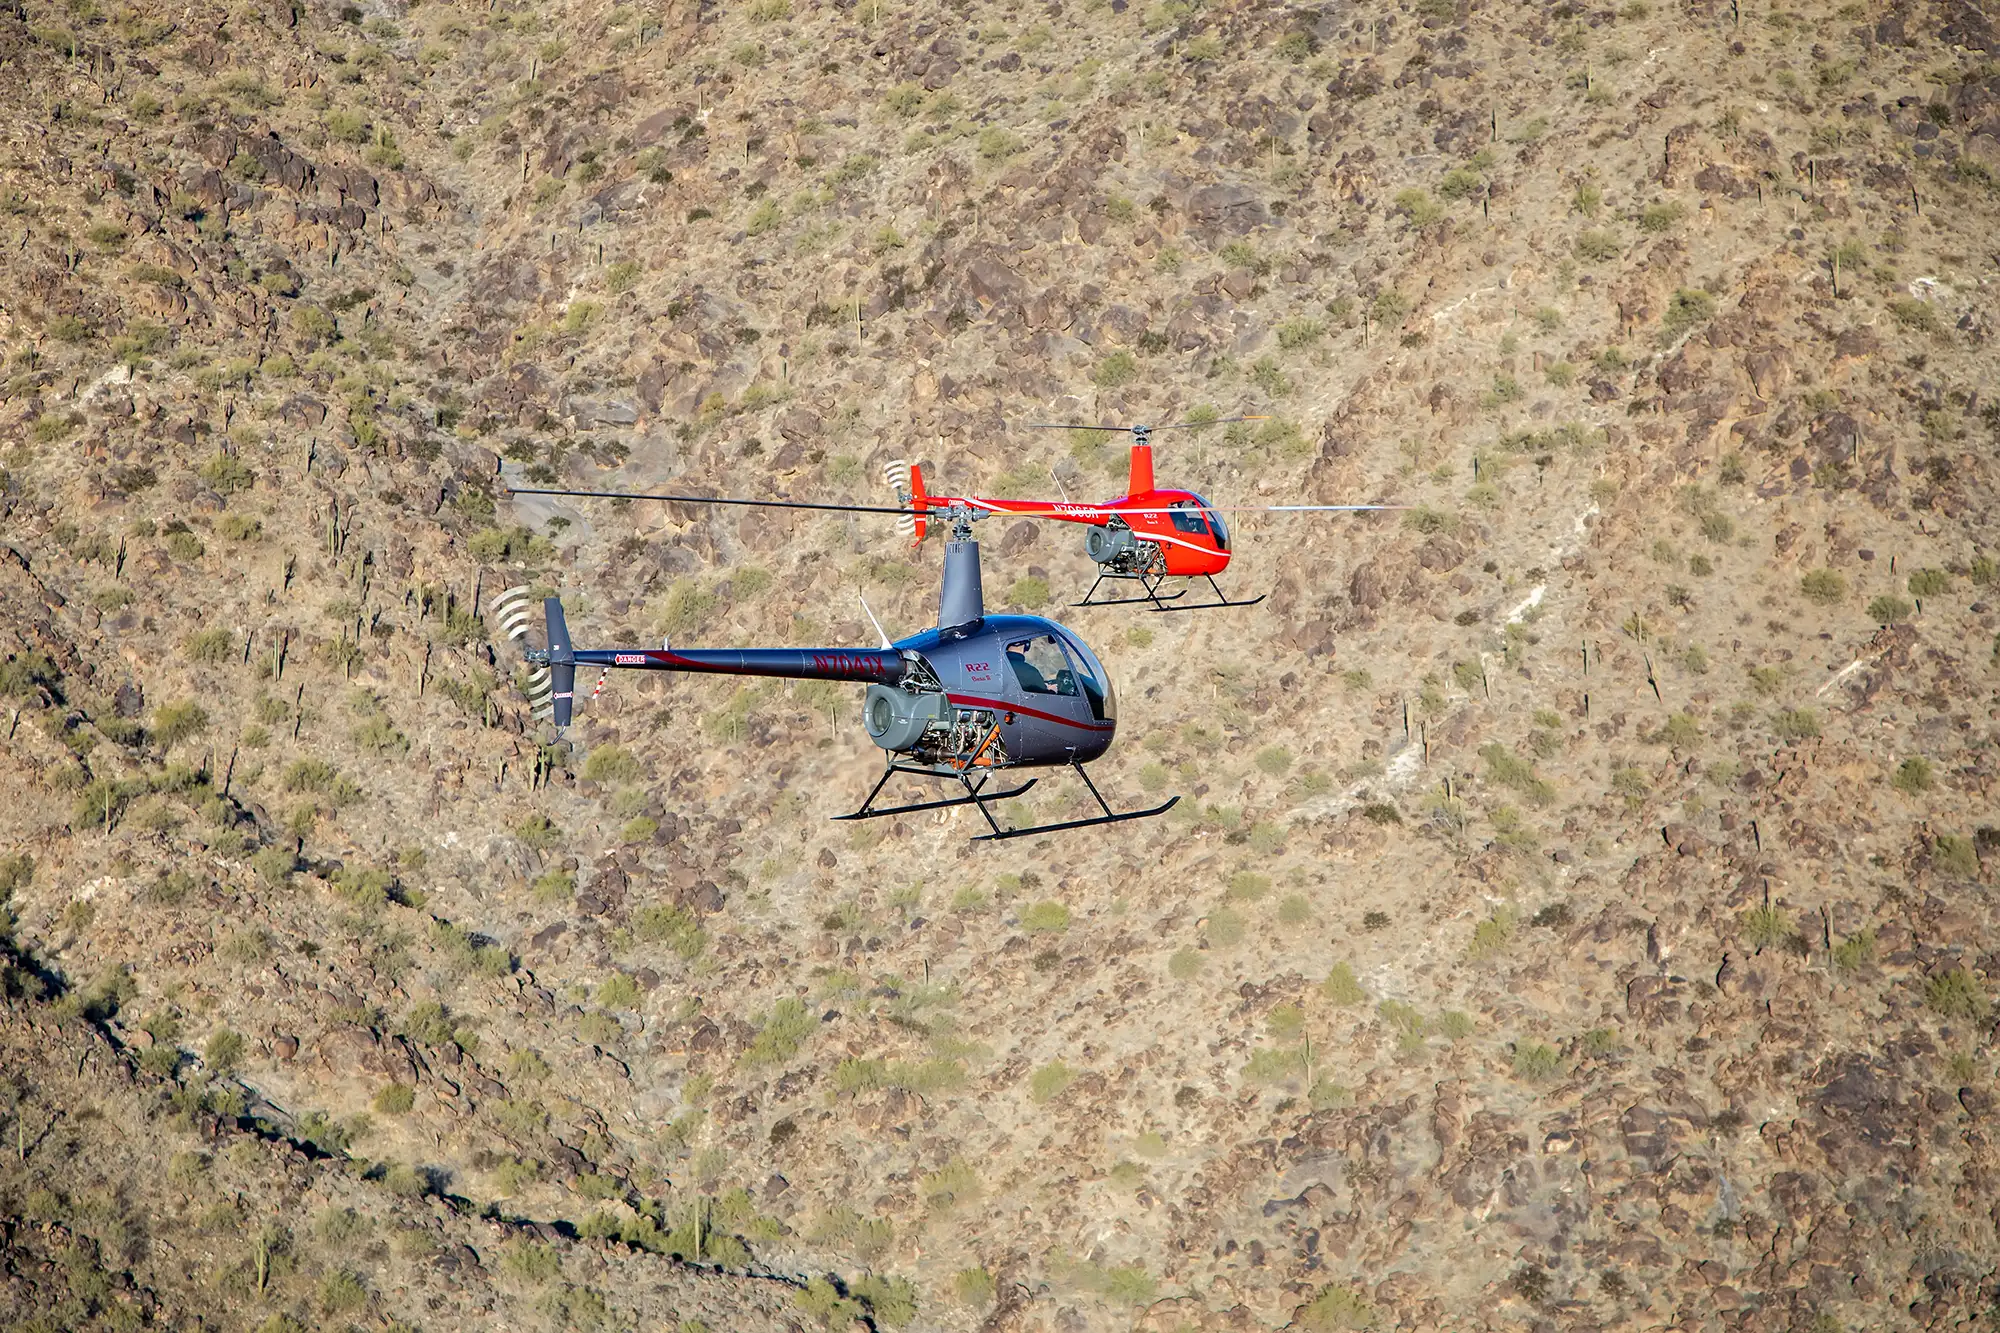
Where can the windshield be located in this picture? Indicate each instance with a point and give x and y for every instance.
(1215, 522)
(1096, 683)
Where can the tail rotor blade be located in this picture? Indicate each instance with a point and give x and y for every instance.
(511, 609)
(896, 472)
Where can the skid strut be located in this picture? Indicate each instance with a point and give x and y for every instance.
(974, 793)
(1159, 601)
(977, 795)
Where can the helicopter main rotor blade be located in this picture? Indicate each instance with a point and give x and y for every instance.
(1135, 430)
(718, 500)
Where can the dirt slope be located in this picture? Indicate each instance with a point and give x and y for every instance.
(1579, 912)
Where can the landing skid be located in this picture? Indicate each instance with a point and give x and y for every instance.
(976, 794)
(1159, 601)
(1108, 817)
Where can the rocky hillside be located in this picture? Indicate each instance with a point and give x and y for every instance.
(1579, 911)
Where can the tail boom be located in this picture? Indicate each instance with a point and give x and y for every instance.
(875, 666)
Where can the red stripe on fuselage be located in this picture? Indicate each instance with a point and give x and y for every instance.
(1002, 706)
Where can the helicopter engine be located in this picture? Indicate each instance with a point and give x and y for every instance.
(898, 720)
(1117, 551)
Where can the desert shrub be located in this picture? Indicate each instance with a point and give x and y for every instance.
(891, 1300)
(1855, 952)
(1661, 217)
(1765, 927)
(1929, 583)
(1597, 246)
(1418, 206)
(209, 646)
(1342, 987)
(1116, 370)
(1536, 1062)
(177, 721)
(321, 779)
(1337, 1308)
(1955, 854)
(1050, 1081)
(1509, 770)
(396, 1099)
(538, 832)
(1492, 936)
(1046, 917)
(973, 1287)
(530, 1262)
(1917, 316)
(997, 144)
(675, 927)
(1912, 776)
(1956, 994)
(1889, 609)
(1823, 586)
(1795, 724)
(1686, 308)
(783, 1031)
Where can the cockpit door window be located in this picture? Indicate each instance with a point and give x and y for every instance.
(1040, 666)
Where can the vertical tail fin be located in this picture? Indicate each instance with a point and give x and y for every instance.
(907, 481)
(562, 662)
(919, 525)
(1142, 467)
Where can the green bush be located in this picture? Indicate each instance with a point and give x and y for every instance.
(783, 1031)
(1889, 609)
(1686, 308)
(1337, 1308)
(1765, 927)
(1795, 724)
(1824, 586)
(1597, 246)
(1955, 854)
(177, 721)
(997, 144)
(1045, 917)
(1913, 776)
(396, 1099)
(1661, 217)
(1116, 370)
(1418, 206)
(676, 927)
(974, 1287)
(211, 647)
(618, 991)
(1050, 1081)
(1929, 583)
(1342, 987)
(1536, 1062)
(1955, 994)
(1031, 592)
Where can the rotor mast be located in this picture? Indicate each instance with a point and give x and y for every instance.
(961, 599)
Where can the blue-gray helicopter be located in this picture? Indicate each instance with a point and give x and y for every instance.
(957, 703)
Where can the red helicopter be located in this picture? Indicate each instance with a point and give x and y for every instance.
(1147, 536)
